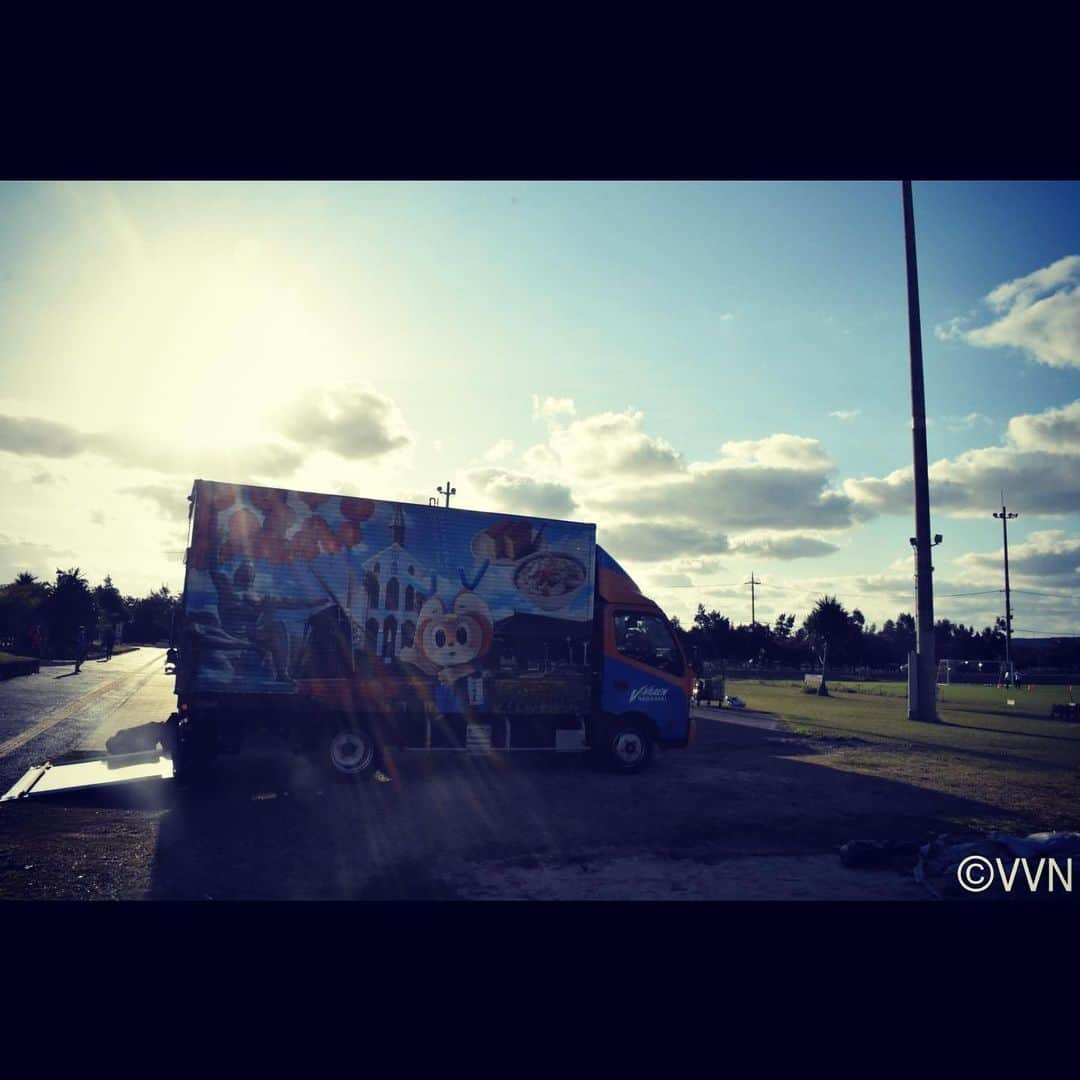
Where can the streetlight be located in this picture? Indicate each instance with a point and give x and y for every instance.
(447, 492)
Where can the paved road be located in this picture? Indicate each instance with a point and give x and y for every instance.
(52, 713)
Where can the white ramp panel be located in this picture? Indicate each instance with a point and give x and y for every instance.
(49, 779)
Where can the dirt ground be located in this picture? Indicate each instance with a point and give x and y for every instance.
(749, 812)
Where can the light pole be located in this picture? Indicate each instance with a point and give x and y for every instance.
(447, 492)
(1006, 517)
(924, 706)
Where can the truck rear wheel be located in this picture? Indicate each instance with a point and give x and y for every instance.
(352, 753)
(626, 746)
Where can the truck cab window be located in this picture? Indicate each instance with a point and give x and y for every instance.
(647, 639)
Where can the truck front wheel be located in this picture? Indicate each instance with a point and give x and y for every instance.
(352, 753)
(626, 746)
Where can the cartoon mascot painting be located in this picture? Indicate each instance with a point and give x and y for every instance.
(449, 643)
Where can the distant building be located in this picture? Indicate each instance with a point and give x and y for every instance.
(391, 594)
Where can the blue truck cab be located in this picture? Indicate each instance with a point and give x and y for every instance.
(645, 679)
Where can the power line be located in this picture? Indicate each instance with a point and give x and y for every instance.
(985, 592)
(1058, 596)
(703, 588)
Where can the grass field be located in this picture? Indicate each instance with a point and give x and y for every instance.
(1011, 757)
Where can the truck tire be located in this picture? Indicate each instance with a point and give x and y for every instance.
(351, 752)
(626, 746)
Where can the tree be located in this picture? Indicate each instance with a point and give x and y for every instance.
(21, 613)
(70, 605)
(828, 625)
(714, 631)
(110, 603)
(152, 616)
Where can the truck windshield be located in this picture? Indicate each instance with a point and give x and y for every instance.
(647, 639)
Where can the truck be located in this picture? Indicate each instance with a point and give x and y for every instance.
(359, 630)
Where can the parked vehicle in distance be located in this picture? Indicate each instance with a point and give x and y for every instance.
(709, 690)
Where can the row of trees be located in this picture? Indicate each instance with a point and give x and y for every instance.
(42, 618)
(850, 642)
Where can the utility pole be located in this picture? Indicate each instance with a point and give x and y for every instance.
(752, 583)
(1005, 518)
(924, 706)
(448, 492)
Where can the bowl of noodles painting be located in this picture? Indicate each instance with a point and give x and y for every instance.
(550, 579)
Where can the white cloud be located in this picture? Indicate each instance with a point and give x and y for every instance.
(655, 541)
(35, 437)
(965, 423)
(845, 414)
(1038, 313)
(500, 451)
(775, 452)
(1055, 431)
(551, 409)
(1039, 466)
(171, 502)
(621, 476)
(355, 422)
(517, 493)
(1049, 557)
(610, 447)
(670, 581)
(17, 555)
(784, 546)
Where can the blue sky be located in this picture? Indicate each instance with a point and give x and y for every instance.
(714, 373)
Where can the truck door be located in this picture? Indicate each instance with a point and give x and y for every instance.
(644, 671)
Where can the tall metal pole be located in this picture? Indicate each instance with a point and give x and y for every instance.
(1005, 518)
(924, 707)
(753, 609)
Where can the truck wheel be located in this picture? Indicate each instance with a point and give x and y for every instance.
(352, 753)
(627, 746)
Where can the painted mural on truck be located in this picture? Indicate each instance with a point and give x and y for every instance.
(286, 591)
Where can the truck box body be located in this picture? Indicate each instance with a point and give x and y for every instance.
(440, 628)
(333, 598)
